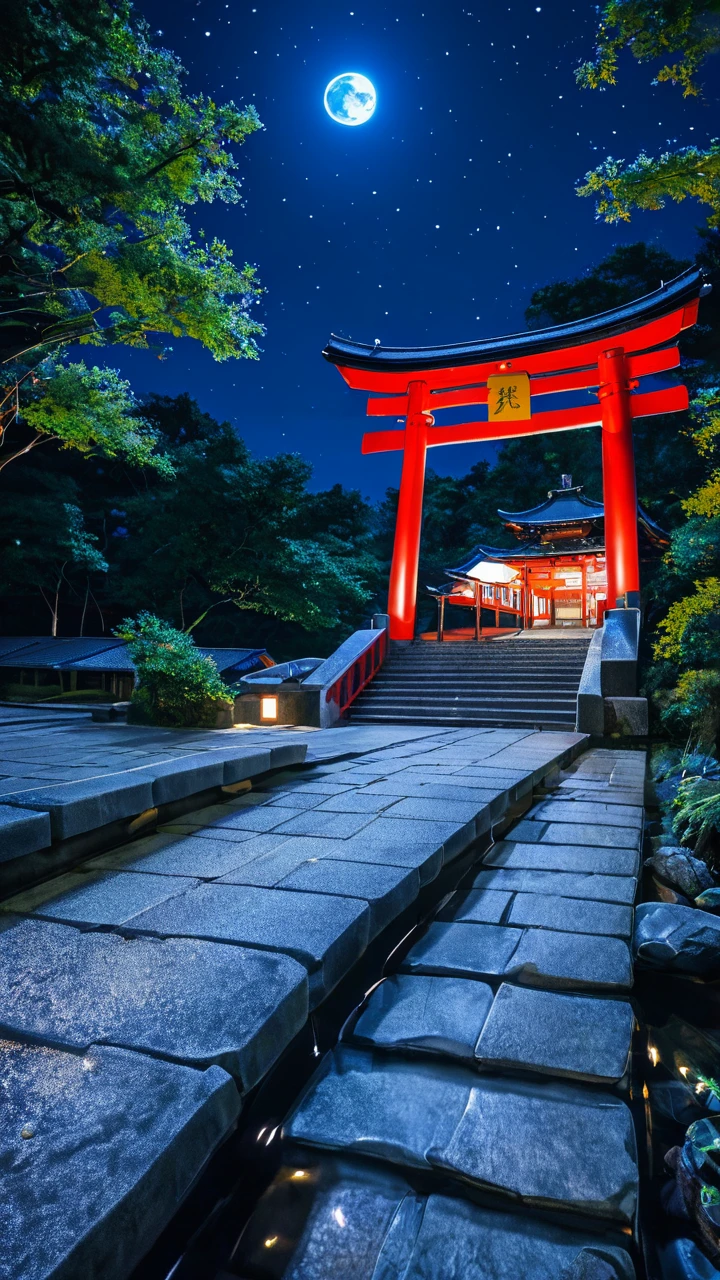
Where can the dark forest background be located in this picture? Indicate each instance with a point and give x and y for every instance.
(241, 550)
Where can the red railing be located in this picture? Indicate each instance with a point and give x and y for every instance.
(346, 689)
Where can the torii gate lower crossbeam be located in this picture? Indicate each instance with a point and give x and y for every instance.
(610, 352)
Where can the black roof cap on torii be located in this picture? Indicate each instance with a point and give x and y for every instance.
(358, 355)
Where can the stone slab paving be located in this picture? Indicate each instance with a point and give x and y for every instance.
(448, 1065)
(98, 1151)
(207, 942)
(368, 1222)
(579, 1037)
(187, 1001)
(364, 1222)
(573, 1149)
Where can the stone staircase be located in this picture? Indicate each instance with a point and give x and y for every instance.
(516, 682)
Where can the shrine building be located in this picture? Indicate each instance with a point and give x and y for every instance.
(556, 576)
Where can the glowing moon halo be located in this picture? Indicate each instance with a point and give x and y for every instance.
(350, 98)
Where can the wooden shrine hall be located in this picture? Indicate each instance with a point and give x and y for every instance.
(555, 577)
(594, 372)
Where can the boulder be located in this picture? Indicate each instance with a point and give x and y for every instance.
(709, 900)
(682, 939)
(678, 869)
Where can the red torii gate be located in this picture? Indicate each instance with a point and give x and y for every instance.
(611, 351)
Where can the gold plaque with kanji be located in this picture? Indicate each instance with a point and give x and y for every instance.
(508, 397)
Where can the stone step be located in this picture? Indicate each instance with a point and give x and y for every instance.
(363, 1221)
(519, 1029)
(492, 1133)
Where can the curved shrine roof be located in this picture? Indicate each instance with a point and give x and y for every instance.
(562, 506)
(358, 355)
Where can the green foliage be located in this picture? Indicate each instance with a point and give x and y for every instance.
(627, 273)
(697, 812)
(238, 531)
(647, 183)
(176, 685)
(45, 546)
(102, 158)
(682, 34)
(92, 410)
(654, 29)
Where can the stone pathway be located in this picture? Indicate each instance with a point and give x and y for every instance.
(474, 1118)
(144, 994)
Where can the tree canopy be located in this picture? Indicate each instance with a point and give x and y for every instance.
(103, 157)
(679, 35)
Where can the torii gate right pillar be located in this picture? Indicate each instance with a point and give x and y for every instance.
(619, 487)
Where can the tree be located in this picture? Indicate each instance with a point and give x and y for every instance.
(46, 547)
(687, 32)
(176, 685)
(235, 531)
(102, 156)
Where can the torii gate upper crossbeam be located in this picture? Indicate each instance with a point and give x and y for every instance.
(610, 352)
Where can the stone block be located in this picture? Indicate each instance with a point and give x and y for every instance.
(118, 1140)
(567, 810)
(96, 897)
(626, 716)
(386, 890)
(197, 1003)
(456, 811)
(334, 826)
(476, 906)
(586, 833)
(420, 1013)
(22, 831)
(205, 859)
(463, 950)
(354, 802)
(259, 818)
(573, 915)
(248, 764)
(556, 1147)
(563, 857)
(560, 1035)
(384, 1225)
(176, 779)
(76, 807)
(621, 889)
(288, 753)
(680, 939)
(326, 934)
(573, 960)
(449, 838)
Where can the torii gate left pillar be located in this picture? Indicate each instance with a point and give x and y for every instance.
(402, 593)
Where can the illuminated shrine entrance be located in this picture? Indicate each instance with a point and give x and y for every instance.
(609, 352)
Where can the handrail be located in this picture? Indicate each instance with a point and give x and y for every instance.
(360, 657)
(610, 669)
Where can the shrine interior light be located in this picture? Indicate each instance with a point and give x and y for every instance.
(268, 708)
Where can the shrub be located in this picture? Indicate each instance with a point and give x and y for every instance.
(693, 706)
(176, 685)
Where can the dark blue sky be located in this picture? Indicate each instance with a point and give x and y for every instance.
(433, 222)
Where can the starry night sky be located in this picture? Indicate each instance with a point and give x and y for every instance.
(431, 223)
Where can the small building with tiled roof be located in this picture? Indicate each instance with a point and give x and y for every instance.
(556, 575)
(53, 666)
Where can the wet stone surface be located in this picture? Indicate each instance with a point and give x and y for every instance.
(88, 1143)
(366, 1222)
(573, 1149)
(191, 1001)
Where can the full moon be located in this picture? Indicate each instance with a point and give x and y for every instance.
(350, 98)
